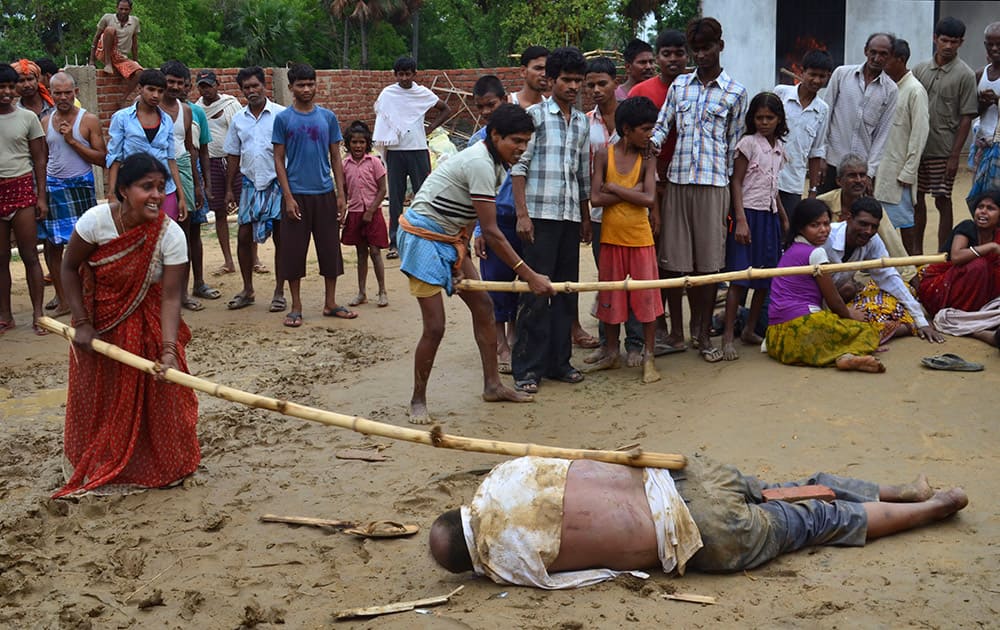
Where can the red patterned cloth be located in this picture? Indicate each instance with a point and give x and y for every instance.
(125, 66)
(123, 426)
(966, 287)
(17, 193)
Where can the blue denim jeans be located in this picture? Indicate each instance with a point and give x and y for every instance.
(741, 531)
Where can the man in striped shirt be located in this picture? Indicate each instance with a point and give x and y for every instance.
(433, 242)
(862, 101)
(707, 109)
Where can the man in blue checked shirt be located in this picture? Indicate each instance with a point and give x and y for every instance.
(707, 108)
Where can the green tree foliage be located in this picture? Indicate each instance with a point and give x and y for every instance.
(555, 23)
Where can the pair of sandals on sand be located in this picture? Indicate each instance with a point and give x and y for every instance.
(294, 319)
(202, 291)
(10, 325)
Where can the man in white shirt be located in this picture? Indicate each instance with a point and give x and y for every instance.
(808, 117)
(862, 101)
(886, 301)
(399, 129)
(250, 156)
(897, 172)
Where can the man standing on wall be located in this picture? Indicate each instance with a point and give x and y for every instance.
(399, 128)
(953, 103)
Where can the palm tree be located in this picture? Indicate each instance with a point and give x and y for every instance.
(366, 12)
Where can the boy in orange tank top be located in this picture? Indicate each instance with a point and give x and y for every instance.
(624, 184)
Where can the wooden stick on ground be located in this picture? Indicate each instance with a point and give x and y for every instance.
(434, 437)
(372, 611)
(693, 281)
(691, 597)
(306, 520)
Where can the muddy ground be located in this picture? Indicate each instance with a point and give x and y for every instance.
(198, 557)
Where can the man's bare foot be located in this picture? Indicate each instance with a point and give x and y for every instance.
(502, 393)
(419, 414)
(633, 358)
(610, 361)
(951, 501)
(914, 492)
(594, 356)
(649, 372)
(750, 338)
(729, 352)
(854, 363)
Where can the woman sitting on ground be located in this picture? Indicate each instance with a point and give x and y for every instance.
(962, 293)
(122, 275)
(800, 331)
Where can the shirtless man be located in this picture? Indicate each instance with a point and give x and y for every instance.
(553, 523)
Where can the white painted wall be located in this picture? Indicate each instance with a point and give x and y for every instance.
(912, 20)
(748, 28)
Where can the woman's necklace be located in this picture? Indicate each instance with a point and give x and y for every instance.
(120, 219)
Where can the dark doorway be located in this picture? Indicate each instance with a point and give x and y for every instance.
(804, 25)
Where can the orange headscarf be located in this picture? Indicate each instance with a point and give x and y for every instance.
(27, 66)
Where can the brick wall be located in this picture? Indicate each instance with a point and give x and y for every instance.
(349, 93)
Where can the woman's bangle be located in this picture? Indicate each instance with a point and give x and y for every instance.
(170, 347)
(76, 322)
(973, 248)
(517, 264)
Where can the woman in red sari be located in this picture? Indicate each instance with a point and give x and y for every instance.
(122, 272)
(971, 277)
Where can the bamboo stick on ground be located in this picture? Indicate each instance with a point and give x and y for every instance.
(374, 611)
(693, 281)
(434, 437)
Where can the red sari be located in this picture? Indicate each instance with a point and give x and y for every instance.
(123, 426)
(966, 287)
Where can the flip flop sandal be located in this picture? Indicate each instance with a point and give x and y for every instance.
(360, 298)
(572, 377)
(221, 271)
(52, 304)
(5, 326)
(193, 305)
(341, 313)
(383, 300)
(392, 254)
(240, 301)
(663, 349)
(293, 320)
(952, 363)
(504, 367)
(261, 269)
(206, 292)
(711, 354)
(278, 305)
(383, 529)
(37, 328)
(527, 386)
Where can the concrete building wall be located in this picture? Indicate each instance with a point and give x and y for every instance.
(748, 28)
(913, 21)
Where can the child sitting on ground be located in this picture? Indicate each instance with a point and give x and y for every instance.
(365, 226)
(799, 331)
(757, 215)
(624, 184)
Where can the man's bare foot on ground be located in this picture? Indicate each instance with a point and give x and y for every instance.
(854, 363)
(594, 356)
(610, 361)
(502, 393)
(633, 358)
(419, 414)
(751, 338)
(649, 372)
(914, 492)
(951, 501)
(729, 352)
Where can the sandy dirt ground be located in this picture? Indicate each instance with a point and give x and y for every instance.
(198, 557)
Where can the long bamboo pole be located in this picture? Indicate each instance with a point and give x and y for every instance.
(693, 281)
(433, 437)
